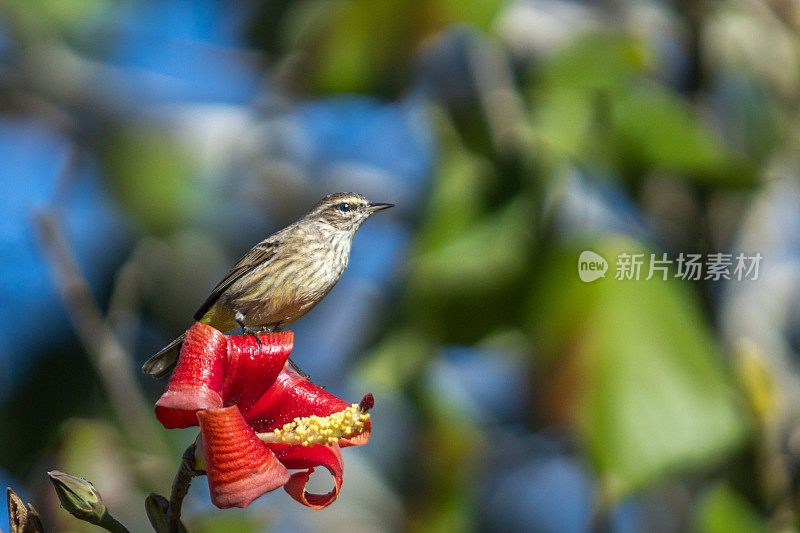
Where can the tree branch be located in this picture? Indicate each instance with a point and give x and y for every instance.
(109, 358)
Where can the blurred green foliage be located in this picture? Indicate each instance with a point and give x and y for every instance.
(368, 45)
(596, 100)
(722, 510)
(638, 379)
(639, 357)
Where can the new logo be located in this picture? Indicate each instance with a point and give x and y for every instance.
(591, 266)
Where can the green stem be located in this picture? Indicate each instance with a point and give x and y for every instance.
(109, 523)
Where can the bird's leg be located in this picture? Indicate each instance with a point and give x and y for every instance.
(239, 318)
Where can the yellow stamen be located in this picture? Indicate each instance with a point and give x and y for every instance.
(314, 429)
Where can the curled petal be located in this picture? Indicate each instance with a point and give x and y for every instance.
(197, 380)
(361, 438)
(240, 468)
(253, 367)
(308, 458)
(366, 403)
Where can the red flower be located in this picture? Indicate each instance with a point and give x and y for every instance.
(258, 418)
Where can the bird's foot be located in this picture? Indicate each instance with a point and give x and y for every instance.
(254, 332)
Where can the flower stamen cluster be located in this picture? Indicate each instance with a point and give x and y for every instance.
(310, 430)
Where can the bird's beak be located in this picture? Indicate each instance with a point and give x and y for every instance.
(374, 207)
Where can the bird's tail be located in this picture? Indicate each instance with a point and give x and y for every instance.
(162, 363)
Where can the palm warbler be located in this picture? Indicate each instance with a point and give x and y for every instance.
(281, 278)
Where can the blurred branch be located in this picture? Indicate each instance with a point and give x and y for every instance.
(108, 356)
(500, 99)
(693, 14)
(601, 512)
(125, 299)
(42, 75)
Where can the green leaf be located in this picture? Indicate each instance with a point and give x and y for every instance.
(566, 89)
(356, 44)
(459, 189)
(650, 395)
(491, 251)
(367, 45)
(477, 13)
(52, 18)
(596, 61)
(563, 121)
(468, 285)
(231, 522)
(468, 255)
(396, 360)
(653, 127)
(721, 510)
(595, 101)
(151, 174)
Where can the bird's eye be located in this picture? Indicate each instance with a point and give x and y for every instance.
(345, 207)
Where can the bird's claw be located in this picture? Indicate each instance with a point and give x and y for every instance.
(254, 333)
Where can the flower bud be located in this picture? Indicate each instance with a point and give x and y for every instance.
(78, 497)
(156, 507)
(81, 500)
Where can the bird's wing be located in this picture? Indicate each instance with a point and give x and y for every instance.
(258, 255)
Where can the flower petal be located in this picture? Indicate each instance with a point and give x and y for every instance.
(366, 403)
(216, 370)
(360, 439)
(197, 380)
(252, 367)
(292, 396)
(309, 457)
(240, 468)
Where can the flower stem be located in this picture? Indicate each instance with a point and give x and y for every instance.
(109, 523)
(180, 486)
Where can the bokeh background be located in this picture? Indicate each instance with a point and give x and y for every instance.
(146, 144)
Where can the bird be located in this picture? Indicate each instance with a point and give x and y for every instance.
(282, 277)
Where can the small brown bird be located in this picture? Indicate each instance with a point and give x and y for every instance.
(281, 278)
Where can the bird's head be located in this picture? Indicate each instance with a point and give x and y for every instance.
(345, 211)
